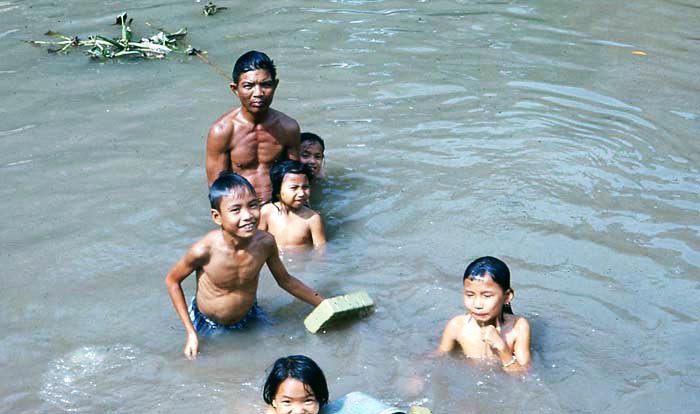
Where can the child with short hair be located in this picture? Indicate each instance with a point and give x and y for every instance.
(311, 153)
(227, 262)
(295, 384)
(489, 330)
(287, 216)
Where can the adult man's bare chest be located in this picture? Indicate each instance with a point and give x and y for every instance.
(250, 149)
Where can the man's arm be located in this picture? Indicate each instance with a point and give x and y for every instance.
(288, 282)
(218, 151)
(294, 141)
(192, 260)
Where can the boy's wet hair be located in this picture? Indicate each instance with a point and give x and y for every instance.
(495, 268)
(253, 60)
(311, 137)
(282, 168)
(301, 368)
(228, 182)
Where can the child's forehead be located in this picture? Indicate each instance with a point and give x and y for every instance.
(240, 194)
(295, 177)
(483, 280)
(309, 145)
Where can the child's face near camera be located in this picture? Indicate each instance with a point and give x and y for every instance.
(295, 190)
(484, 299)
(238, 214)
(293, 397)
(312, 155)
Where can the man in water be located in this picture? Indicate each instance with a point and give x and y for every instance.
(249, 139)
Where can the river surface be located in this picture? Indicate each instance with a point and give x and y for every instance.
(560, 136)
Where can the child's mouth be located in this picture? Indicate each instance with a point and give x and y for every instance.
(248, 227)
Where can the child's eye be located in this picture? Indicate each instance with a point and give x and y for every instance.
(310, 401)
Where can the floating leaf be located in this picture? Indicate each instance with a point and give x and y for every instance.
(639, 53)
(211, 9)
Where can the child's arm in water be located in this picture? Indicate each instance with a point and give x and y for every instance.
(516, 358)
(264, 211)
(288, 282)
(195, 258)
(449, 335)
(318, 233)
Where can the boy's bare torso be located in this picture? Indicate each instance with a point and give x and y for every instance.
(292, 229)
(227, 283)
(250, 149)
(469, 336)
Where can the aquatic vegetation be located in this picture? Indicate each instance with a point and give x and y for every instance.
(211, 9)
(103, 47)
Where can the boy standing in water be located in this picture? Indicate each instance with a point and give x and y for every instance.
(227, 262)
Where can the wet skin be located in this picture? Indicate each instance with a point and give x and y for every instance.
(250, 138)
(293, 397)
(312, 155)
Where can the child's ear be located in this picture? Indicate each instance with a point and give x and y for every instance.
(216, 216)
(510, 294)
(234, 88)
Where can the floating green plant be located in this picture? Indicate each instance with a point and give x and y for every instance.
(211, 9)
(103, 47)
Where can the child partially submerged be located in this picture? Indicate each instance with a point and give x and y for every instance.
(489, 330)
(287, 217)
(312, 153)
(227, 262)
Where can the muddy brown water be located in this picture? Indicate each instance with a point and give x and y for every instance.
(559, 136)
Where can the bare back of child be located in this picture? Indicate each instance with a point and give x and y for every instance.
(287, 217)
(227, 262)
(489, 330)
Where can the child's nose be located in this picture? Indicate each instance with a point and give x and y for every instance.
(298, 409)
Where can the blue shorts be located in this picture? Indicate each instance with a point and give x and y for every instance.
(205, 326)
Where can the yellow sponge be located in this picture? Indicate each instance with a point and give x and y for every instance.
(335, 308)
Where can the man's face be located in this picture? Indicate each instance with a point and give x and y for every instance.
(255, 89)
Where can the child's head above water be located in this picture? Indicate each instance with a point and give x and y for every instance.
(296, 384)
(226, 184)
(287, 177)
(487, 291)
(312, 152)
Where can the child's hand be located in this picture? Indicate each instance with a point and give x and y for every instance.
(492, 338)
(191, 346)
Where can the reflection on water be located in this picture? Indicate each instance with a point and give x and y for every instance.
(525, 130)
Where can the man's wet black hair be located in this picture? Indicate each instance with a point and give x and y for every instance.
(253, 60)
(298, 367)
(282, 168)
(310, 136)
(225, 184)
(498, 271)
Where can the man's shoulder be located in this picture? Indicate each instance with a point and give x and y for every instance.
(284, 121)
(226, 122)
